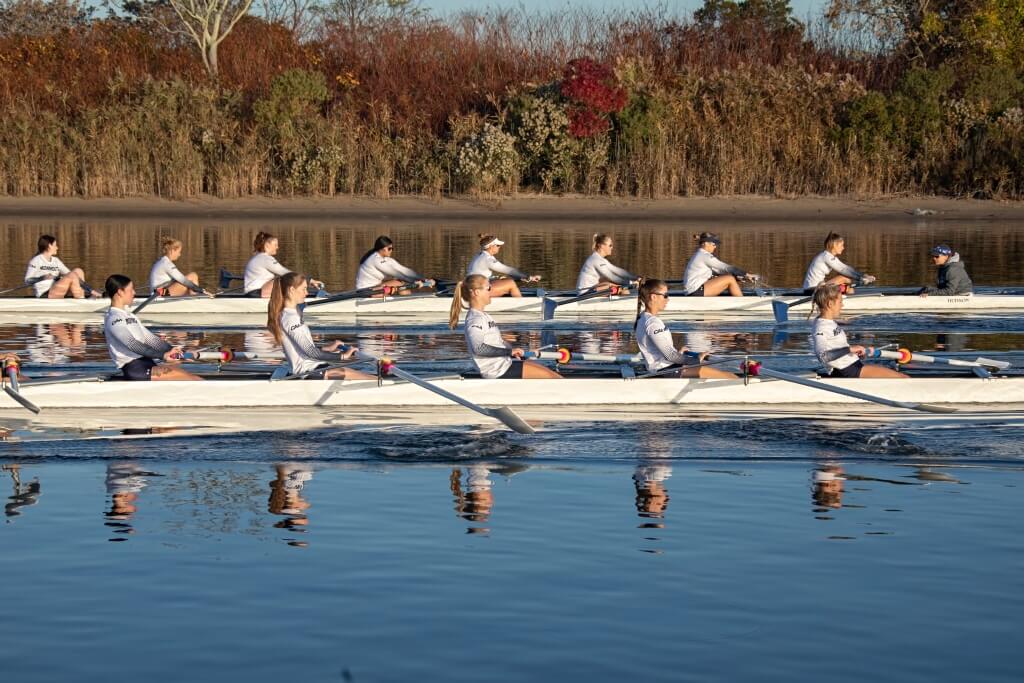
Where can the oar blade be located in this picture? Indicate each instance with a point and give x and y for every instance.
(510, 419)
(781, 311)
(989, 363)
(25, 403)
(549, 308)
(931, 408)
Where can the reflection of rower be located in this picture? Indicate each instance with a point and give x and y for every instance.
(286, 498)
(598, 272)
(651, 495)
(486, 263)
(827, 487)
(24, 495)
(125, 481)
(474, 502)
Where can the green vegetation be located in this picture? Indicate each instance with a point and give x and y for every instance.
(742, 98)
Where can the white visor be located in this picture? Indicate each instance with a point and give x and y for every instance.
(494, 243)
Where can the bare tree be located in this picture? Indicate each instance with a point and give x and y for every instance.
(359, 15)
(40, 17)
(204, 22)
(298, 16)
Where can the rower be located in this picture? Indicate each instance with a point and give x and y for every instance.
(285, 322)
(706, 275)
(486, 263)
(262, 268)
(829, 342)
(494, 357)
(164, 271)
(655, 340)
(952, 277)
(49, 276)
(826, 268)
(133, 348)
(378, 269)
(598, 273)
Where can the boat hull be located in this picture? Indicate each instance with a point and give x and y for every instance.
(391, 395)
(435, 309)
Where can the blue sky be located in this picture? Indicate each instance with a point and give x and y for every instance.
(802, 9)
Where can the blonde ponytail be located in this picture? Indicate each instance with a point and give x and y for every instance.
(461, 295)
(169, 244)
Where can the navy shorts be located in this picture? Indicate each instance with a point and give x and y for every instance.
(255, 294)
(850, 371)
(697, 292)
(138, 370)
(515, 371)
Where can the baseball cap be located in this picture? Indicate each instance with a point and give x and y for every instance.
(941, 250)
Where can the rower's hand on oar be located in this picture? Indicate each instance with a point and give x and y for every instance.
(858, 349)
(208, 293)
(343, 350)
(175, 355)
(517, 353)
(867, 279)
(752, 277)
(94, 294)
(316, 283)
(533, 278)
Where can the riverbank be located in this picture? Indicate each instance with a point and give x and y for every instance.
(521, 208)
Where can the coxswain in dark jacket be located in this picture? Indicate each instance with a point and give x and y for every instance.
(952, 277)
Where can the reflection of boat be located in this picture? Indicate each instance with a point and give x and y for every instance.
(573, 391)
(435, 307)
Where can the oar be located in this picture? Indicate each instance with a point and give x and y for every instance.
(564, 355)
(15, 289)
(155, 293)
(503, 414)
(11, 385)
(904, 356)
(760, 370)
(781, 309)
(551, 304)
(226, 355)
(358, 294)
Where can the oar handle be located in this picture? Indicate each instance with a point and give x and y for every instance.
(564, 355)
(11, 371)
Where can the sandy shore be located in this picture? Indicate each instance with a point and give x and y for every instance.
(520, 208)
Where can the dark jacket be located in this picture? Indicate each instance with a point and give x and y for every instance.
(953, 279)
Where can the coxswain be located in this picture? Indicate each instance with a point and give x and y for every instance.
(493, 356)
(655, 339)
(285, 322)
(377, 269)
(829, 342)
(134, 349)
(598, 272)
(953, 279)
(706, 275)
(826, 268)
(487, 264)
(49, 276)
(164, 271)
(262, 268)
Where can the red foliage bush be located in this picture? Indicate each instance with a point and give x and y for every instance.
(593, 85)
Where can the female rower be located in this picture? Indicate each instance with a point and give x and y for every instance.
(378, 269)
(598, 272)
(953, 279)
(829, 341)
(285, 323)
(493, 356)
(164, 271)
(262, 268)
(133, 348)
(51, 278)
(486, 263)
(706, 275)
(655, 340)
(827, 262)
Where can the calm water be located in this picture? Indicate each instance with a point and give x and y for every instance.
(666, 546)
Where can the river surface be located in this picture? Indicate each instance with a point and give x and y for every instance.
(305, 545)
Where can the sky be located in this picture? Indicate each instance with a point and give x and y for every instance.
(802, 9)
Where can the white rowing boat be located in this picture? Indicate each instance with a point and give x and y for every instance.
(433, 308)
(582, 391)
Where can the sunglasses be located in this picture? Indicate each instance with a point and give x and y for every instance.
(665, 294)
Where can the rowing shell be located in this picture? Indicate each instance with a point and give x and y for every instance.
(391, 394)
(431, 308)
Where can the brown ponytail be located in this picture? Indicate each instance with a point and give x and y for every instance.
(462, 291)
(261, 239)
(643, 297)
(484, 239)
(276, 304)
(832, 239)
(823, 297)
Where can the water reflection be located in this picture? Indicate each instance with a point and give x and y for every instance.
(651, 494)
(125, 481)
(827, 488)
(25, 494)
(473, 496)
(286, 499)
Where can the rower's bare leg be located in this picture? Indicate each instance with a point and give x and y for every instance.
(390, 283)
(719, 284)
(533, 370)
(172, 373)
(178, 289)
(603, 285)
(839, 280)
(347, 373)
(65, 285)
(705, 372)
(266, 289)
(505, 287)
(880, 372)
